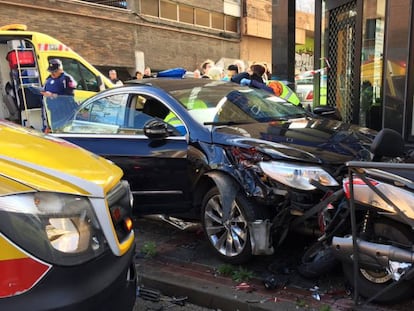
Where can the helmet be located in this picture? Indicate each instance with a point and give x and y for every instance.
(54, 65)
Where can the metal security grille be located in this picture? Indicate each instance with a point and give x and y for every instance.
(341, 56)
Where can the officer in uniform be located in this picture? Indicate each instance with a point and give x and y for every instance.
(58, 82)
(59, 96)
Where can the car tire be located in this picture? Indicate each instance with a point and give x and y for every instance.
(230, 240)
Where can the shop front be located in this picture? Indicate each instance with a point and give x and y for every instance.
(362, 60)
(368, 46)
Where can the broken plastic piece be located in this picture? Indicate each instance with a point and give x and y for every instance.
(148, 294)
(315, 293)
(245, 286)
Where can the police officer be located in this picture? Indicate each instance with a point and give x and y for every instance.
(58, 82)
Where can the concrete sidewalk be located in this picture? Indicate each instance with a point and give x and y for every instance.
(184, 266)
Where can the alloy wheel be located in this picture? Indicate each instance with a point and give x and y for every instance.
(229, 237)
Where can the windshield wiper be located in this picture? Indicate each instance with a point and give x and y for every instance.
(229, 122)
(296, 115)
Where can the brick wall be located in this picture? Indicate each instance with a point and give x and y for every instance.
(107, 36)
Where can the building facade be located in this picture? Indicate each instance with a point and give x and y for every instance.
(130, 34)
(127, 35)
(360, 52)
(369, 47)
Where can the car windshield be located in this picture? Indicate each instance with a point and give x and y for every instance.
(207, 102)
(222, 103)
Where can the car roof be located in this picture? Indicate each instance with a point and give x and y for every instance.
(169, 84)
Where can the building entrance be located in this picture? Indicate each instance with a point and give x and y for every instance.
(341, 54)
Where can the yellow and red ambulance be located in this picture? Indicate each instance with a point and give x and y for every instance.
(24, 59)
(66, 234)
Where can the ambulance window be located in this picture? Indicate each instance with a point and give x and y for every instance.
(86, 79)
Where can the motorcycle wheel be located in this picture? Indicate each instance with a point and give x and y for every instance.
(317, 260)
(230, 240)
(370, 282)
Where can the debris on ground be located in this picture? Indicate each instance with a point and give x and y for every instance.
(245, 287)
(148, 294)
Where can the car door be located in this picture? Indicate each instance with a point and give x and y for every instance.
(113, 127)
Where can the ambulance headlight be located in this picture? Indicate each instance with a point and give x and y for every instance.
(57, 228)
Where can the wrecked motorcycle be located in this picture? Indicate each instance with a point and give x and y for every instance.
(369, 227)
(378, 254)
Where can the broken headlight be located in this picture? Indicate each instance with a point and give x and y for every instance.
(297, 176)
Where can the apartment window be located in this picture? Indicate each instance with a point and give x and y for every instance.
(150, 7)
(232, 23)
(202, 17)
(186, 14)
(217, 20)
(114, 3)
(190, 15)
(168, 10)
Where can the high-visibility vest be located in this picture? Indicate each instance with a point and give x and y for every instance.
(173, 120)
(322, 98)
(193, 103)
(282, 90)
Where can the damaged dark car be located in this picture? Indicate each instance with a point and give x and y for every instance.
(242, 161)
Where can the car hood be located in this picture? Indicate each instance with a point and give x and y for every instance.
(305, 139)
(45, 163)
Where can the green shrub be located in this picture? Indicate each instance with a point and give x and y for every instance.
(149, 249)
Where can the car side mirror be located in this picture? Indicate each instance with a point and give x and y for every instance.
(156, 129)
(326, 112)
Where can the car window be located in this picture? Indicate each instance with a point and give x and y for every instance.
(124, 114)
(107, 110)
(104, 115)
(156, 109)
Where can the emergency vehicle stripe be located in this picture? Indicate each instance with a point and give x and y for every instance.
(52, 47)
(42, 47)
(19, 271)
(20, 275)
(8, 251)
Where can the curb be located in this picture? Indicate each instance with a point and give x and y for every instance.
(208, 291)
(207, 294)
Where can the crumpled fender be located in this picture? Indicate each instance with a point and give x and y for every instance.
(228, 189)
(243, 177)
